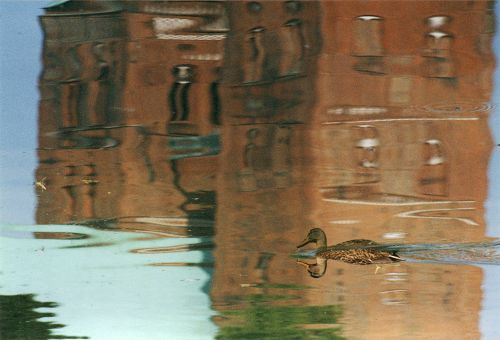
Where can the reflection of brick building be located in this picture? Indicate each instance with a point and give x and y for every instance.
(260, 194)
(349, 122)
(400, 87)
(118, 77)
(384, 58)
(271, 53)
(175, 52)
(267, 93)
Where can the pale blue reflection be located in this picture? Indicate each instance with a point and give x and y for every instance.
(491, 293)
(21, 41)
(108, 292)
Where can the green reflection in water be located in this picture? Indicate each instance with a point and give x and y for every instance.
(19, 320)
(260, 320)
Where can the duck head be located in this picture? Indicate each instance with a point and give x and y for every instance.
(316, 235)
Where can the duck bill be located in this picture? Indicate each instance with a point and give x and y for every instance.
(304, 242)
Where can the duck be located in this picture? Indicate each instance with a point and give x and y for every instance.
(358, 251)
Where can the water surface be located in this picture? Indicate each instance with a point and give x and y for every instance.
(184, 150)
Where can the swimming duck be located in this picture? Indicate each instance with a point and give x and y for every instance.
(354, 251)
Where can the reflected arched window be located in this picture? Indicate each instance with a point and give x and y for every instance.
(281, 156)
(367, 153)
(368, 31)
(247, 180)
(100, 88)
(215, 100)
(293, 44)
(438, 45)
(439, 63)
(179, 93)
(433, 174)
(73, 90)
(368, 44)
(254, 55)
(215, 115)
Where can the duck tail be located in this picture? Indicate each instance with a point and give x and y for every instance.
(395, 257)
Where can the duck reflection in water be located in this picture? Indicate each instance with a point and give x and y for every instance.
(357, 251)
(486, 252)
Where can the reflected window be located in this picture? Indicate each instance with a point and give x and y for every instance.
(72, 64)
(70, 100)
(368, 32)
(293, 44)
(439, 63)
(267, 159)
(79, 191)
(368, 146)
(368, 45)
(438, 45)
(73, 90)
(281, 156)
(367, 153)
(247, 176)
(254, 54)
(214, 95)
(179, 94)
(86, 139)
(433, 175)
(100, 88)
(215, 98)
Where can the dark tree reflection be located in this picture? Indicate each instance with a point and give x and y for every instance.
(19, 319)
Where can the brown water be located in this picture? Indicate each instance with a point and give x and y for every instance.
(185, 149)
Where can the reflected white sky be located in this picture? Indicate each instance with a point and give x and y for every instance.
(96, 287)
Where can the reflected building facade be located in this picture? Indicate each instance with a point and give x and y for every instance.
(267, 93)
(345, 115)
(111, 101)
(400, 86)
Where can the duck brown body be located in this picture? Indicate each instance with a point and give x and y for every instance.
(353, 252)
(360, 256)
(357, 251)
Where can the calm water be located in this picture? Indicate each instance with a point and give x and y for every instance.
(162, 161)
